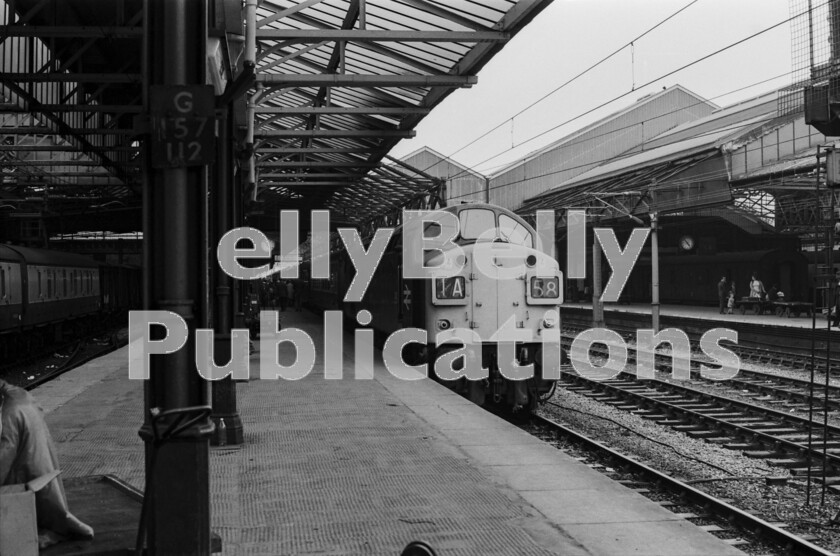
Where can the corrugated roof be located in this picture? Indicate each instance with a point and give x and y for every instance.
(427, 49)
(337, 83)
(647, 99)
(705, 134)
(452, 161)
(803, 162)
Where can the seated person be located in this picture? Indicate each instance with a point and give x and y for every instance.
(774, 291)
(756, 288)
(27, 452)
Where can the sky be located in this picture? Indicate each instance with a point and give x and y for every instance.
(571, 35)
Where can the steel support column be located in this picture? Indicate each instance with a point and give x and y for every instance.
(225, 415)
(654, 272)
(177, 477)
(597, 304)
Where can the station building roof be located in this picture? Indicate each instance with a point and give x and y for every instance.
(594, 144)
(686, 168)
(463, 184)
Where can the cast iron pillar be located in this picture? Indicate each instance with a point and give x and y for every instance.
(177, 471)
(225, 415)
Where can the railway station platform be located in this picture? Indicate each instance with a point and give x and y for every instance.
(707, 314)
(366, 466)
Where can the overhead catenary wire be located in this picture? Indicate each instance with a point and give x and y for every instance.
(650, 82)
(606, 134)
(469, 169)
(573, 79)
(694, 178)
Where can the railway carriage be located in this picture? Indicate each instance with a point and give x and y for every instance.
(45, 295)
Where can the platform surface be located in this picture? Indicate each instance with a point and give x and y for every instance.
(365, 466)
(708, 313)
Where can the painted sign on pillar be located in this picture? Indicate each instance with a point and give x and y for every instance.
(183, 125)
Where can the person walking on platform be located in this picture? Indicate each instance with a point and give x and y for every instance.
(297, 296)
(270, 298)
(290, 293)
(281, 295)
(722, 290)
(836, 306)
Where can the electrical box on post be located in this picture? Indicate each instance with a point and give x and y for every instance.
(832, 168)
(183, 122)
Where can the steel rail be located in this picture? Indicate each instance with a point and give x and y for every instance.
(708, 420)
(793, 544)
(800, 394)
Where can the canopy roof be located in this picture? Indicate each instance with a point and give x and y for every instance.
(336, 84)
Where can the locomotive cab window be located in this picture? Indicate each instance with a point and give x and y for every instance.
(432, 230)
(514, 232)
(475, 222)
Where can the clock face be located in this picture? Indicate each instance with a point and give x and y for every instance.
(687, 243)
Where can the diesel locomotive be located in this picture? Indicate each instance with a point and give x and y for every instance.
(506, 289)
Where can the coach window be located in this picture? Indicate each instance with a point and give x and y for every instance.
(64, 282)
(40, 284)
(2, 283)
(513, 231)
(475, 222)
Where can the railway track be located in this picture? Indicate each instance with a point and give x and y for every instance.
(707, 511)
(780, 437)
(758, 343)
(37, 370)
(794, 393)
